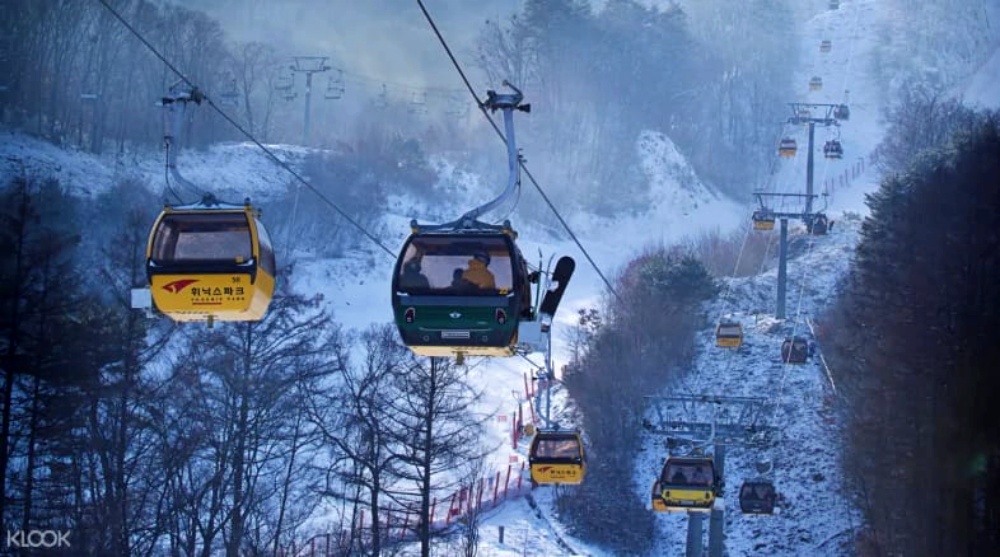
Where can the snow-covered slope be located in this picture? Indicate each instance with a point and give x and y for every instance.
(814, 517)
(230, 169)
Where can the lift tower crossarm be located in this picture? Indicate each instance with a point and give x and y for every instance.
(760, 195)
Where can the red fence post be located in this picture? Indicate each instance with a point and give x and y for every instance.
(496, 487)
(516, 424)
(451, 507)
(388, 523)
(520, 477)
(506, 483)
(434, 503)
(479, 495)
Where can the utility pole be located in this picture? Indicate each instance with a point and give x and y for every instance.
(782, 268)
(308, 65)
(802, 113)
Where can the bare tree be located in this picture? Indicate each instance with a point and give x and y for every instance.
(255, 66)
(472, 479)
(435, 432)
(355, 422)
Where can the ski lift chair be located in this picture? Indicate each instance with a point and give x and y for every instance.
(816, 83)
(819, 225)
(833, 150)
(557, 457)
(210, 261)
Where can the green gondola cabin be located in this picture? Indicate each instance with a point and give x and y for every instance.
(461, 293)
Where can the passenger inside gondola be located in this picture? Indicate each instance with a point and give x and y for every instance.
(700, 477)
(478, 274)
(687, 473)
(754, 494)
(412, 278)
(464, 268)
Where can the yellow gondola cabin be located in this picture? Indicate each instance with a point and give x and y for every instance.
(729, 334)
(787, 147)
(557, 457)
(763, 219)
(686, 484)
(210, 261)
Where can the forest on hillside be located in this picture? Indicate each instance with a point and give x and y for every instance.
(910, 340)
(75, 75)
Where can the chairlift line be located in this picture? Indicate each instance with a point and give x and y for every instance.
(840, 112)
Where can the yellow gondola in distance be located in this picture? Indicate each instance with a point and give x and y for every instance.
(787, 147)
(729, 334)
(557, 457)
(686, 484)
(763, 219)
(210, 261)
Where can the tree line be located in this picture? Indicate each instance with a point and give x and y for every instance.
(712, 76)
(642, 340)
(712, 80)
(910, 340)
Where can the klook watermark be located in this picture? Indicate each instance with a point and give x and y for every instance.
(38, 538)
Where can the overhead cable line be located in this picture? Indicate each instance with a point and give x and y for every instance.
(248, 135)
(496, 128)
